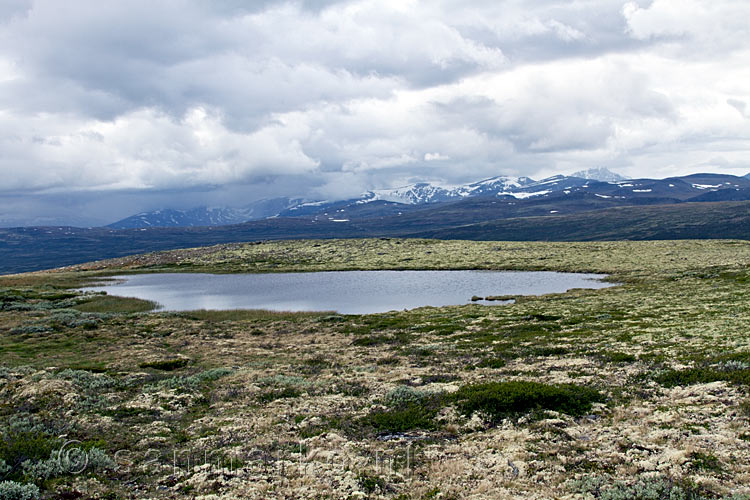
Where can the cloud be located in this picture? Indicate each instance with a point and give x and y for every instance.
(231, 100)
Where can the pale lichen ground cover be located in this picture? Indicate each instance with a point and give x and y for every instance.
(307, 405)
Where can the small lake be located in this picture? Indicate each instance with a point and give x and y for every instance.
(346, 292)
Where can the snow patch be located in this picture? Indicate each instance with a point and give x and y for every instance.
(522, 196)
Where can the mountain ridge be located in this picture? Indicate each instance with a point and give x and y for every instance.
(423, 193)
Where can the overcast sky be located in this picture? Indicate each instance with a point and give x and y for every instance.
(110, 107)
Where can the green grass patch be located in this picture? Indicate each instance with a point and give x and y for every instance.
(114, 304)
(499, 400)
(249, 315)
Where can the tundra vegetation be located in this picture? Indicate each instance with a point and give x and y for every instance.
(635, 391)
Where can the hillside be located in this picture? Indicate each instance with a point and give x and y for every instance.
(28, 249)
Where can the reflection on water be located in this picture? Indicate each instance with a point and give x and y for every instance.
(347, 292)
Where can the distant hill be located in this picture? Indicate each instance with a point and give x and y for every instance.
(27, 249)
(560, 208)
(206, 216)
(660, 222)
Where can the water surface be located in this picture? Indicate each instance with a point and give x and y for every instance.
(347, 292)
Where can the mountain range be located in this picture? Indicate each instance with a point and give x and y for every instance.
(598, 182)
(559, 208)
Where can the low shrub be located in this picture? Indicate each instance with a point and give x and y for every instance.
(193, 382)
(11, 490)
(166, 364)
(702, 375)
(408, 409)
(410, 417)
(19, 447)
(643, 488)
(88, 381)
(492, 363)
(619, 357)
(404, 395)
(511, 399)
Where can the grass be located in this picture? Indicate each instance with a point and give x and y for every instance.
(248, 315)
(113, 304)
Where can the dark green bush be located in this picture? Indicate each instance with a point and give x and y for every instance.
(492, 363)
(511, 399)
(408, 409)
(17, 447)
(549, 351)
(166, 365)
(702, 375)
(619, 357)
(412, 416)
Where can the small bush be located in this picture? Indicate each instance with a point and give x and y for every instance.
(282, 386)
(492, 363)
(704, 462)
(88, 381)
(166, 364)
(404, 395)
(19, 447)
(643, 488)
(348, 388)
(410, 417)
(11, 490)
(508, 399)
(549, 351)
(370, 484)
(409, 409)
(194, 382)
(702, 375)
(619, 357)
(284, 380)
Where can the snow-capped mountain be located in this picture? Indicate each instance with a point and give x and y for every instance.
(422, 192)
(386, 202)
(200, 216)
(413, 194)
(599, 174)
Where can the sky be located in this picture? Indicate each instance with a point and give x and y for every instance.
(108, 108)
